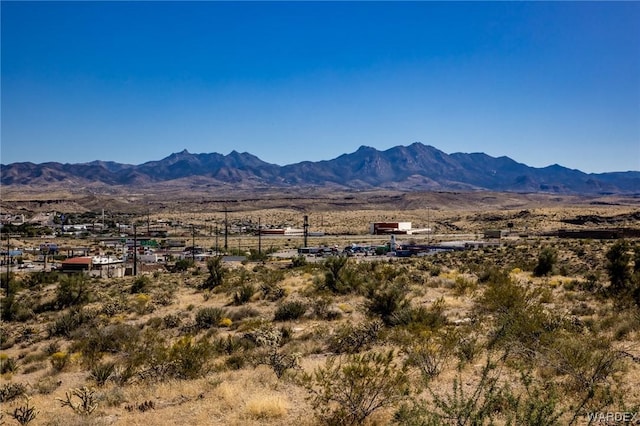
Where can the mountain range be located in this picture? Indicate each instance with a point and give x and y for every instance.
(416, 167)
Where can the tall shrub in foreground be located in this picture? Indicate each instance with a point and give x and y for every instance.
(347, 391)
(217, 273)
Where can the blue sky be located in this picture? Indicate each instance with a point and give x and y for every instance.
(543, 83)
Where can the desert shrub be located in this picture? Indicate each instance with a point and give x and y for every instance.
(243, 312)
(190, 358)
(618, 267)
(519, 318)
(72, 290)
(587, 363)
(230, 344)
(351, 339)
(243, 294)
(421, 318)
(100, 373)
(171, 321)
(140, 284)
(333, 278)
(625, 281)
(487, 401)
(52, 348)
(15, 308)
(59, 361)
(347, 391)
(387, 301)
(6, 341)
(114, 306)
(70, 321)
(272, 291)
(466, 347)
(217, 273)
(95, 341)
(46, 385)
(155, 322)
(428, 355)
(290, 310)
(7, 364)
(40, 277)
(124, 373)
(459, 407)
(182, 265)
(463, 286)
(582, 309)
(209, 317)
(32, 368)
(546, 261)
(164, 297)
(11, 391)
(298, 261)
(322, 309)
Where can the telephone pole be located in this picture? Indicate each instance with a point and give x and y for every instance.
(135, 251)
(226, 231)
(259, 238)
(193, 244)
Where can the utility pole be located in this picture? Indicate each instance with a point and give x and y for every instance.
(193, 244)
(259, 238)
(135, 251)
(217, 248)
(305, 227)
(8, 267)
(429, 224)
(226, 230)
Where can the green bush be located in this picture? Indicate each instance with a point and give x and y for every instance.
(351, 339)
(140, 284)
(72, 290)
(95, 341)
(298, 261)
(217, 273)
(209, 317)
(291, 310)
(189, 358)
(488, 401)
(347, 391)
(100, 373)
(7, 364)
(15, 308)
(334, 280)
(70, 321)
(546, 261)
(387, 301)
(182, 265)
(243, 294)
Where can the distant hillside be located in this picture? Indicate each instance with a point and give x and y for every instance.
(413, 167)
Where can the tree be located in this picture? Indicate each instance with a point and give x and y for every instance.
(546, 260)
